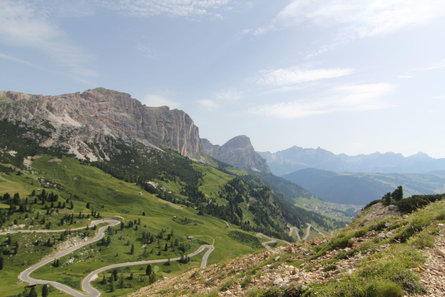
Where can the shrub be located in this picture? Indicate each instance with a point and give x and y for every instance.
(379, 226)
(360, 233)
(386, 288)
(371, 204)
(412, 203)
(422, 240)
(441, 216)
(255, 292)
(246, 281)
(245, 238)
(226, 285)
(273, 292)
(339, 243)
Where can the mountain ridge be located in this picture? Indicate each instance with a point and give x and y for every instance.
(98, 113)
(238, 152)
(296, 158)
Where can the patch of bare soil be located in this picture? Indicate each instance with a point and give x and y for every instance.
(432, 274)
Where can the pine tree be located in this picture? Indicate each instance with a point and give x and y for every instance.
(397, 195)
(33, 292)
(45, 290)
(387, 199)
(152, 278)
(132, 249)
(148, 269)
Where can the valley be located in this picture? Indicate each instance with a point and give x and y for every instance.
(222, 148)
(87, 212)
(84, 193)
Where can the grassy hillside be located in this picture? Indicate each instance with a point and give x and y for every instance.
(85, 185)
(168, 204)
(385, 252)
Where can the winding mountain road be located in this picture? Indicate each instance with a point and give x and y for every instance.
(86, 282)
(271, 240)
(92, 224)
(294, 230)
(308, 231)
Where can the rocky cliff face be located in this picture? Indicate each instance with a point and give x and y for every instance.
(237, 152)
(80, 122)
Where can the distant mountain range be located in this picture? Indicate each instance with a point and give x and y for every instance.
(296, 158)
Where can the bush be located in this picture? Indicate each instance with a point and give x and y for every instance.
(360, 233)
(412, 203)
(340, 243)
(422, 240)
(245, 238)
(379, 226)
(371, 204)
(441, 216)
(385, 288)
(226, 285)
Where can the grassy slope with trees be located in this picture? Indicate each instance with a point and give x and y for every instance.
(192, 195)
(88, 186)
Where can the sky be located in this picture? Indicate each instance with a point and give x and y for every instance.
(354, 77)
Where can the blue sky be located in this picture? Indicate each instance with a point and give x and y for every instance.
(348, 76)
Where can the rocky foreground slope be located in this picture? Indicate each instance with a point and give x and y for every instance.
(80, 123)
(383, 253)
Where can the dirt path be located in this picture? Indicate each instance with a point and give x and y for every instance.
(432, 274)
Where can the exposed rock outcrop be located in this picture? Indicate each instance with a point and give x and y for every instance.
(237, 152)
(76, 121)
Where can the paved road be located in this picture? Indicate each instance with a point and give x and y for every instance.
(25, 275)
(93, 292)
(271, 240)
(266, 244)
(321, 233)
(206, 256)
(92, 224)
(308, 231)
(294, 230)
(86, 282)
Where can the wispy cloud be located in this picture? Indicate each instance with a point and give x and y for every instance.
(439, 65)
(228, 95)
(24, 25)
(184, 8)
(345, 98)
(207, 104)
(405, 76)
(291, 76)
(357, 18)
(13, 59)
(157, 100)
